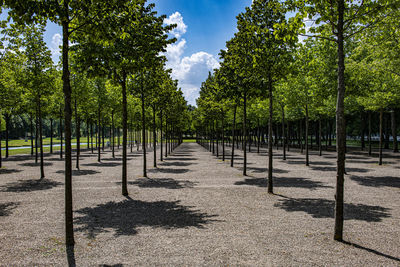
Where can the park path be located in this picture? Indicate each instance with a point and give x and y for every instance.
(195, 210)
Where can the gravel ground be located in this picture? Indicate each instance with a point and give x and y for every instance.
(195, 210)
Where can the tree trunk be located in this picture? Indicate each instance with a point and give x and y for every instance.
(223, 138)
(283, 134)
(244, 134)
(41, 139)
(1, 160)
(61, 135)
(270, 182)
(320, 136)
(31, 122)
(87, 134)
(113, 133)
(51, 135)
(69, 229)
(143, 133)
(340, 126)
(306, 137)
(91, 137)
(301, 136)
(78, 135)
(258, 136)
(233, 136)
(166, 136)
(394, 131)
(161, 135)
(380, 135)
(36, 137)
(154, 138)
(7, 117)
(98, 134)
(369, 134)
(124, 136)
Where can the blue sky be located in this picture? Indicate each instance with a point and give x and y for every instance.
(203, 28)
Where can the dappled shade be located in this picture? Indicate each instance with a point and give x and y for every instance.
(29, 185)
(6, 208)
(324, 208)
(126, 216)
(8, 171)
(79, 172)
(284, 182)
(388, 181)
(162, 183)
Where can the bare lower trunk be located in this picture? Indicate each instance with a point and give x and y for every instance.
(69, 229)
(144, 134)
(154, 139)
(41, 140)
(306, 137)
(233, 136)
(283, 133)
(380, 135)
(340, 126)
(244, 134)
(270, 182)
(124, 137)
(369, 134)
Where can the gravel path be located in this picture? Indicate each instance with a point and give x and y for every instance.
(195, 210)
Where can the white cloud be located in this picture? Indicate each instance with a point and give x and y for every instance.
(191, 70)
(177, 19)
(56, 42)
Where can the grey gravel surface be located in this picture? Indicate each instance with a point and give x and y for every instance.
(195, 210)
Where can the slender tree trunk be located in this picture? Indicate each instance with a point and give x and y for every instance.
(103, 134)
(31, 124)
(91, 137)
(161, 135)
(51, 135)
(98, 135)
(7, 117)
(78, 135)
(61, 135)
(386, 135)
(320, 136)
(258, 136)
(369, 134)
(233, 136)
(69, 229)
(41, 139)
(301, 136)
(124, 136)
(394, 131)
(119, 134)
(244, 134)
(380, 135)
(166, 136)
(87, 134)
(306, 137)
(113, 133)
(223, 138)
(154, 139)
(143, 133)
(270, 182)
(340, 126)
(288, 140)
(36, 137)
(283, 133)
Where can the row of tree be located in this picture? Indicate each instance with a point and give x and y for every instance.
(112, 73)
(289, 81)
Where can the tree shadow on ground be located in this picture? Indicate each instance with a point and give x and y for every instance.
(262, 170)
(162, 183)
(371, 250)
(29, 185)
(18, 158)
(6, 208)
(168, 170)
(55, 159)
(103, 164)
(33, 164)
(80, 172)
(303, 162)
(171, 157)
(324, 208)
(333, 169)
(388, 181)
(8, 171)
(126, 216)
(284, 182)
(176, 163)
(114, 265)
